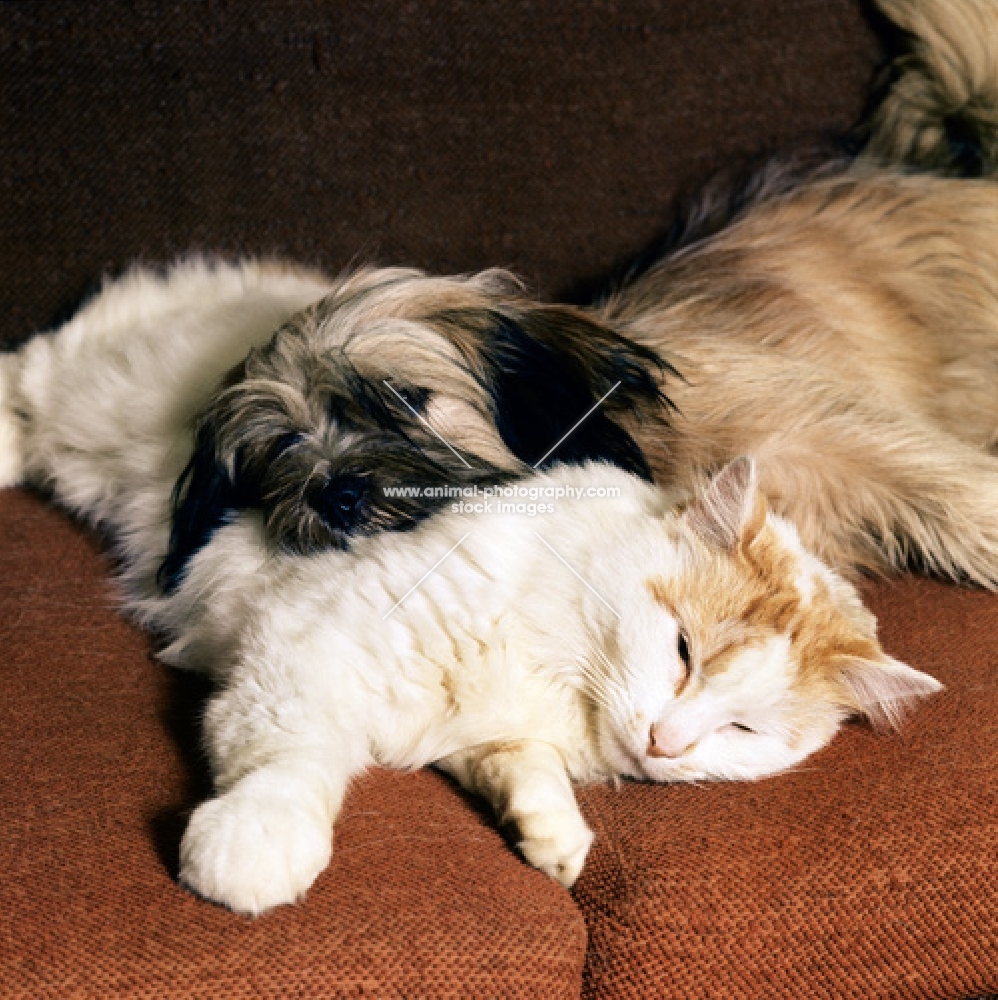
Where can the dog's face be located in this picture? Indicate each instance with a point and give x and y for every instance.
(397, 380)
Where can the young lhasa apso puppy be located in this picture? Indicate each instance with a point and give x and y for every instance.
(173, 400)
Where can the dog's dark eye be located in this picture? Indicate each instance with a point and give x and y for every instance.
(417, 397)
(412, 396)
(340, 498)
(348, 496)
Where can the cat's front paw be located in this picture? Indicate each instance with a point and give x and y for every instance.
(252, 850)
(556, 842)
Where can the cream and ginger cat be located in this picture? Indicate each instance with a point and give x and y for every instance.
(615, 636)
(621, 636)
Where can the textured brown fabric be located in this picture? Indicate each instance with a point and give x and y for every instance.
(869, 872)
(451, 135)
(97, 772)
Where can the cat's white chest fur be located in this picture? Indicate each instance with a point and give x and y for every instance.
(460, 684)
(472, 655)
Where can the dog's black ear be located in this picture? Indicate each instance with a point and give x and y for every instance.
(626, 375)
(600, 439)
(556, 377)
(204, 498)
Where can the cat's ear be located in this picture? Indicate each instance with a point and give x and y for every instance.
(883, 690)
(731, 511)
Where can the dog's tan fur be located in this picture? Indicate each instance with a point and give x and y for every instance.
(844, 331)
(846, 335)
(939, 106)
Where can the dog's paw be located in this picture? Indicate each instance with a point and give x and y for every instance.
(556, 842)
(252, 850)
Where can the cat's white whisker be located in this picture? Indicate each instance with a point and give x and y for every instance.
(612, 667)
(613, 679)
(600, 687)
(608, 697)
(595, 684)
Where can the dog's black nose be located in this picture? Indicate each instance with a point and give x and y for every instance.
(339, 501)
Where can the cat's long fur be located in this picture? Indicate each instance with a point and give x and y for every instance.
(601, 638)
(520, 653)
(503, 665)
(843, 328)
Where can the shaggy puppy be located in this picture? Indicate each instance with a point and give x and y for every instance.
(395, 378)
(171, 396)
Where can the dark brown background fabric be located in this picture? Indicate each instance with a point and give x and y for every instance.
(451, 135)
(554, 138)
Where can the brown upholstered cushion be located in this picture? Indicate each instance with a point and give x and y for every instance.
(98, 768)
(872, 871)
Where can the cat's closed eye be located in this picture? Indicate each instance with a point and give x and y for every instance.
(683, 648)
(741, 727)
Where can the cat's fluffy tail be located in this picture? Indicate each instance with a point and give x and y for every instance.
(937, 100)
(11, 429)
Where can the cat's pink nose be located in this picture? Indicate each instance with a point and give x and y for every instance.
(663, 743)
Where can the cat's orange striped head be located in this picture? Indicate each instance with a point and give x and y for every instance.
(767, 650)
